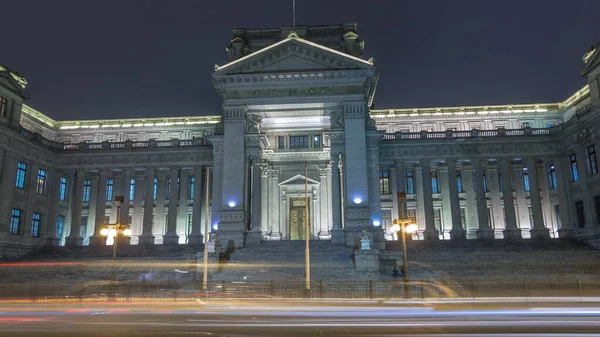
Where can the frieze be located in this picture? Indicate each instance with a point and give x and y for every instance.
(283, 92)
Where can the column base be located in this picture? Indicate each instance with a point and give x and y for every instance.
(98, 240)
(485, 234)
(146, 240)
(51, 242)
(566, 233)
(338, 236)
(540, 233)
(73, 241)
(458, 234)
(124, 240)
(196, 239)
(254, 237)
(324, 235)
(431, 234)
(274, 236)
(171, 239)
(512, 234)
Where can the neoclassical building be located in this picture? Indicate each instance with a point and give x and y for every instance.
(297, 127)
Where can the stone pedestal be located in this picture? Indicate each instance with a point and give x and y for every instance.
(195, 239)
(357, 220)
(565, 233)
(97, 240)
(232, 228)
(338, 236)
(431, 234)
(378, 239)
(485, 234)
(367, 262)
(73, 241)
(170, 239)
(124, 241)
(512, 234)
(51, 242)
(540, 233)
(254, 237)
(458, 234)
(146, 240)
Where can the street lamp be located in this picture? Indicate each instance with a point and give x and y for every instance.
(403, 226)
(114, 231)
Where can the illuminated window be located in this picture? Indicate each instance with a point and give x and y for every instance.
(526, 179)
(485, 182)
(384, 182)
(155, 188)
(317, 141)
(41, 182)
(87, 190)
(60, 226)
(192, 188)
(35, 225)
(21, 173)
(83, 230)
(109, 189)
(437, 219)
(592, 161)
(62, 189)
(132, 189)
(552, 180)
(281, 142)
(298, 142)
(409, 180)
(574, 170)
(459, 185)
(463, 218)
(15, 221)
(3, 106)
(435, 187)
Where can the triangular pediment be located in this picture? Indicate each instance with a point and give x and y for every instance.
(293, 54)
(8, 81)
(298, 179)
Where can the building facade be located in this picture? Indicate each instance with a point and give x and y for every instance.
(296, 127)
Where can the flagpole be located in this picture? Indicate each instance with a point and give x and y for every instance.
(206, 227)
(294, 15)
(307, 233)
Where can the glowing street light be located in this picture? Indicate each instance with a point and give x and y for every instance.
(114, 231)
(403, 226)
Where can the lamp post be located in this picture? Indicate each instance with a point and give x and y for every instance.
(114, 230)
(402, 227)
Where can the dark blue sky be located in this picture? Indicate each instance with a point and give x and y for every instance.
(89, 59)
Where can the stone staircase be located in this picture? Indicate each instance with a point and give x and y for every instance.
(284, 260)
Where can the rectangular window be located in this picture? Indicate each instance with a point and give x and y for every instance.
(463, 218)
(437, 219)
(500, 184)
(459, 185)
(317, 141)
(60, 226)
(281, 142)
(410, 183)
(21, 173)
(83, 230)
(155, 188)
(15, 221)
(62, 189)
(574, 170)
(109, 189)
(298, 142)
(192, 188)
(580, 214)
(87, 190)
(189, 224)
(435, 187)
(485, 182)
(526, 179)
(132, 189)
(35, 225)
(3, 106)
(489, 213)
(41, 182)
(530, 217)
(592, 161)
(384, 182)
(552, 180)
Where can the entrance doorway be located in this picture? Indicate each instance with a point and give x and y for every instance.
(298, 220)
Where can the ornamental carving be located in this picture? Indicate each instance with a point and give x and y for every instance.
(337, 120)
(253, 122)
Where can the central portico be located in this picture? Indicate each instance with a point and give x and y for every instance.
(291, 111)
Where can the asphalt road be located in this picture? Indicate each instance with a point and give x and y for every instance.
(301, 318)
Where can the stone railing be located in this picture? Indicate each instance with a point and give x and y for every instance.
(468, 134)
(106, 145)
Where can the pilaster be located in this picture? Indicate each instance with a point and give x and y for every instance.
(511, 229)
(147, 237)
(538, 230)
(74, 239)
(171, 237)
(457, 232)
(100, 201)
(430, 233)
(484, 232)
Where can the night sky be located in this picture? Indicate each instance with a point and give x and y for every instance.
(88, 59)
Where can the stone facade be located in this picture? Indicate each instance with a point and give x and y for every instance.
(297, 142)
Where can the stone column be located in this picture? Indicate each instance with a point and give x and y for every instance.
(254, 236)
(567, 223)
(160, 223)
(418, 185)
(547, 209)
(484, 232)
(264, 205)
(521, 202)
(394, 190)
(147, 238)
(497, 216)
(471, 220)
(457, 232)
(323, 196)
(171, 237)
(125, 185)
(430, 233)
(196, 237)
(182, 216)
(588, 206)
(400, 185)
(117, 191)
(275, 203)
(74, 239)
(538, 229)
(52, 210)
(511, 230)
(97, 239)
(337, 233)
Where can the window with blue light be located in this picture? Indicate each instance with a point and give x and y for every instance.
(21, 173)
(109, 189)
(526, 179)
(459, 185)
(15, 221)
(87, 190)
(298, 142)
(60, 226)
(552, 180)
(132, 189)
(317, 141)
(592, 160)
(485, 182)
(35, 225)
(281, 142)
(84, 224)
(435, 187)
(155, 188)
(409, 180)
(41, 182)
(62, 189)
(574, 169)
(192, 188)
(384, 183)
